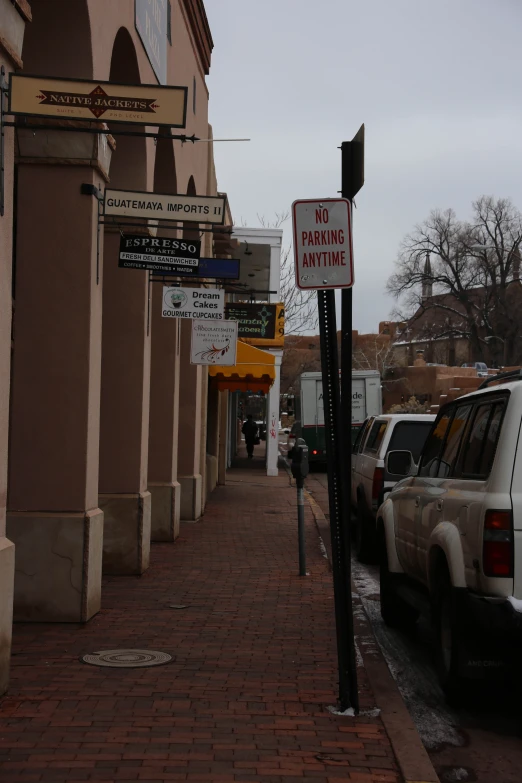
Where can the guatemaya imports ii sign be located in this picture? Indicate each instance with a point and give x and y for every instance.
(194, 209)
(80, 99)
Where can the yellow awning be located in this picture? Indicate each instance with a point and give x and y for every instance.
(254, 370)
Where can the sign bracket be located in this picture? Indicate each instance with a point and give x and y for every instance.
(4, 88)
(105, 131)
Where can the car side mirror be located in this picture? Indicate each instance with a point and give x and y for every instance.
(287, 432)
(399, 463)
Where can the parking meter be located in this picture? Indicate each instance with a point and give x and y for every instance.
(300, 466)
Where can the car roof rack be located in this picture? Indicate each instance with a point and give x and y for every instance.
(515, 375)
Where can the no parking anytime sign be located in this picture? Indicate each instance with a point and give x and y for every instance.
(323, 243)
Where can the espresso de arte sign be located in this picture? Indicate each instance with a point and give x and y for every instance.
(194, 209)
(204, 303)
(151, 17)
(160, 254)
(79, 99)
(259, 323)
(214, 343)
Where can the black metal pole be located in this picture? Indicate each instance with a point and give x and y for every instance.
(301, 527)
(346, 426)
(337, 477)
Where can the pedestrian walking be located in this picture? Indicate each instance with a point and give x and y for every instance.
(250, 430)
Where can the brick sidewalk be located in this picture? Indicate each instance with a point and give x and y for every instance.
(253, 671)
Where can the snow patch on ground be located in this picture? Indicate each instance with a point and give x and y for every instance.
(417, 683)
(349, 713)
(323, 548)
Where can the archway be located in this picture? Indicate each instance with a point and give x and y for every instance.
(124, 417)
(53, 515)
(164, 380)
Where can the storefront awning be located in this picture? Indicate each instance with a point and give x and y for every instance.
(254, 371)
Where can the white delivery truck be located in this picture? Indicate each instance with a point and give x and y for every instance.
(366, 401)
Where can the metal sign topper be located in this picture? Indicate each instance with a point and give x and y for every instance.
(323, 243)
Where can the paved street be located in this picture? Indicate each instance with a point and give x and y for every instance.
(245, 697)
(481, 742)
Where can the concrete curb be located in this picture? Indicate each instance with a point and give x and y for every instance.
(411, 755)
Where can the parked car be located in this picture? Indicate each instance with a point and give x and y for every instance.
(480, 367)
(451, 533)
(261, 429)
(370, 480)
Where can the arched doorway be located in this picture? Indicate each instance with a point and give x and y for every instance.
(53, 515)
(125, 375)
(164, 380)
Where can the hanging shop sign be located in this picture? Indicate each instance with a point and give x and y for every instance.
(214, 343)
(220, 268)
(259, 323)
(162, 255)
(151, 20)
(154, 206)
(81, 99)
(204, 303)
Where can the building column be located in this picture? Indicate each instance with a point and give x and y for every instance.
(189, 437)
(272, 420)
(124, 425)
(53, 514)
(213, 422)
(10, 22)
(163, 422)
(223, 437)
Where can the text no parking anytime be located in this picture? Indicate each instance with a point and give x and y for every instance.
(323, 243)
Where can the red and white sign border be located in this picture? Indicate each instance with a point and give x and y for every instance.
(317, 201)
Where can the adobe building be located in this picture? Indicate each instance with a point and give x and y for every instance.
(115, 438)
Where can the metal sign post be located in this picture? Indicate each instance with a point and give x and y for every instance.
(352, 167)
(323, 256)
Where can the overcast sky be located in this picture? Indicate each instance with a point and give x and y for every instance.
(436, 82)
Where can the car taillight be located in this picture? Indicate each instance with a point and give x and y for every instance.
(497, 555)
(378, 483)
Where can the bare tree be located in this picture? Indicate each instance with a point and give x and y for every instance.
(467, 289)
(376, 354)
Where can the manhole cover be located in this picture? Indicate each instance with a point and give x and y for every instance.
(128, 659)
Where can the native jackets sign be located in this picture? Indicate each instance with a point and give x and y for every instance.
(195, 209)
(151, 19)
(79, 99)
(160, 254)
(259, 323)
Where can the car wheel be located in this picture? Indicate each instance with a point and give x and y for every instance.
(449, 641)
(395, 612)
(364, 542)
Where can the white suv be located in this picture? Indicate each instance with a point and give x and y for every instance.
(370, 480)
(451, 533)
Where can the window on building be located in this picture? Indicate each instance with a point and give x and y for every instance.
(194, 95)
(169, 22)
